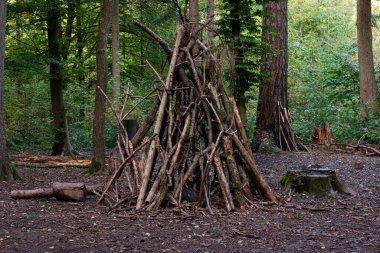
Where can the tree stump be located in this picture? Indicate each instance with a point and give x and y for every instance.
(318, 181)
(322, 135)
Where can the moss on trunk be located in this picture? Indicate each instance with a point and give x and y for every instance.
(8, 172)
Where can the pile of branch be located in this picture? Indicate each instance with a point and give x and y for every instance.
(367, 150)
(49, 161)
(198, 144)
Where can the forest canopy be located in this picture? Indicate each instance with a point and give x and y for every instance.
(323, 67)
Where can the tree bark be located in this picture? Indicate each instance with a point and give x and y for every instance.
(115, 55)
(98, 141)
(61, 141)
(368, 92)
(272, 106)
(71, 7)
(80, 47)
(194, 21)
(7, 172)
(210, 11)
(239, 85)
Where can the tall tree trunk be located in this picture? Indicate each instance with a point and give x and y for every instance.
(142, 50)
(98, 143)
(80, 47)
(210, 11)
(273, 121)
(368, 92)
(115, 55)
(7, 172)
(194, 20)
(239, 85)
(56, 72)
(71, 6)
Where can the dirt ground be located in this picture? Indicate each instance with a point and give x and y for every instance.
(338, 223)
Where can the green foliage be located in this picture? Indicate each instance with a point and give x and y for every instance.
(276, 150)
(323, 71)
(288, 181)
(298, 215)
(27, 96)
(247, 47)
(9, 172)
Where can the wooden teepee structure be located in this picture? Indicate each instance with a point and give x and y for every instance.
(198, 141)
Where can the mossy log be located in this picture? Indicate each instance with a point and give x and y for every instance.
(318, 181)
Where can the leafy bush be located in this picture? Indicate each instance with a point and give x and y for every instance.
(323, 72)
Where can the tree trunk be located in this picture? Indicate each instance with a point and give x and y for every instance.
(368, 92)
(98, 142)
(239, 82)
(210, 11)
(71, 7)
(273, 121)
(7, 172)
(194, 20)
(80, 47)
(56, 73)
(115, 55)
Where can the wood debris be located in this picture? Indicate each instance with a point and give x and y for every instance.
(198, 139)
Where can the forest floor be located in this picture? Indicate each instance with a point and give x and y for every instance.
(338, 223)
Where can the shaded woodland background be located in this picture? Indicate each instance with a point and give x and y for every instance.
(323, 69)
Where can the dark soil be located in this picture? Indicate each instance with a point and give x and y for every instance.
(338, 223)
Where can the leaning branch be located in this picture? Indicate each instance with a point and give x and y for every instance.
(165, 45)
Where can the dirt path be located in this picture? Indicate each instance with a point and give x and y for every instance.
(334, 224)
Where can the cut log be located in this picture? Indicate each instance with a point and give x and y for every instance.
(61, 191)
(28, 194)
(318, 181)
(49, 162)
(69, 191)
(52, 164)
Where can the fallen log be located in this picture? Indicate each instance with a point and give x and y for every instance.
(51, 165)
(61, 191)
(365, 149)
(49, 162)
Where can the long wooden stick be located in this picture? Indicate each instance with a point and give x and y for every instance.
(117, 172)
(165, 46)
(224, 186)
(262, 185)
(159, 119)
(239, 124)
(176, 154)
